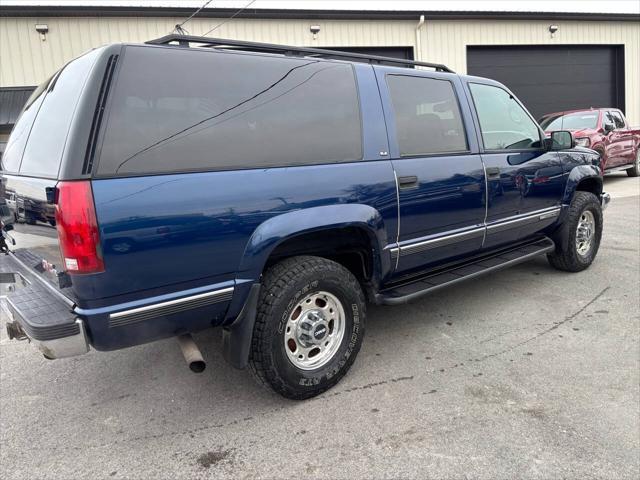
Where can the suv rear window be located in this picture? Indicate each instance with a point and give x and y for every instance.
(39, 136)
(183, 110)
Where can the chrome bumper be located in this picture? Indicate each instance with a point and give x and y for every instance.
(32, 310)
(605, 198)
(51, 348)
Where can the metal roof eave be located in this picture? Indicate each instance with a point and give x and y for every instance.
(137, 11)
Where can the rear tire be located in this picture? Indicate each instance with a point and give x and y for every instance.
(578, 239)
(307, 304)
(635, 170)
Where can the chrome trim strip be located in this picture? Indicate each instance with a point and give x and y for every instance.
(544, 216)
(440, 241)
(422, 245)
(178, 301)
(537, 215)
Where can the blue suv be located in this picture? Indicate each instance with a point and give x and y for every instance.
(161, 189)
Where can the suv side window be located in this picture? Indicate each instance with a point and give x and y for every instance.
(176, 110)
(48, 137)
(504, 124)
(428, 119)
(13, 151)
(617, 119)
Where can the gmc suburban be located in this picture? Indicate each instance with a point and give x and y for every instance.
(164, 188)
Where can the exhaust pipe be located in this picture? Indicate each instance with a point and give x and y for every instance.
(191, 352)
(15, 331)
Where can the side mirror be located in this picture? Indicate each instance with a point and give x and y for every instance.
(561, 140)
(609, 127)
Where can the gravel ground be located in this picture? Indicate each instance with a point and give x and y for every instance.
(528, 373)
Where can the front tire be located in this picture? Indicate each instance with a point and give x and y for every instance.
(578, 239)
(309, 326)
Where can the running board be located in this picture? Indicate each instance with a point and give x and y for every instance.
(479, 266)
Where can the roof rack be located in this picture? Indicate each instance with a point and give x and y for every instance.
(187, 40)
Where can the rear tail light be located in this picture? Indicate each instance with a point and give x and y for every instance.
(78, 228)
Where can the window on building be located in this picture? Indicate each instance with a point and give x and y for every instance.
(504, 124)
(428, 119)
(184, 110)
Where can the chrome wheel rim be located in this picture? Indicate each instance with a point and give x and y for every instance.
(314, 330)
(585, 232)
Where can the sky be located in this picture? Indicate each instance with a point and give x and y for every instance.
(565, 6)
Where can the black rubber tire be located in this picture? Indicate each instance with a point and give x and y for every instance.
(635, 170)
(566, 257)
(282, 286)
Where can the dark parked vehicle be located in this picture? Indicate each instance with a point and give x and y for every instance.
(272, 191)
(606, 131)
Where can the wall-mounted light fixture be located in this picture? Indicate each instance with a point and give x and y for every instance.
(42, 29)
(314, 29)
(553, 29)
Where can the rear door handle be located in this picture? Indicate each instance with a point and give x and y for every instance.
(410, 181)
(493, 173)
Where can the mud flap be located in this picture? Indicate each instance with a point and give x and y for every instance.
(236, 338)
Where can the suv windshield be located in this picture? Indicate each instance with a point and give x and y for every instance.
(571, 121)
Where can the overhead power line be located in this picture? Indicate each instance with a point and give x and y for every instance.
(231, 17)
(178, 28)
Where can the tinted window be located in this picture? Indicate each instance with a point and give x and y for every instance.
(48, 136)
(571, 121)
(12, 155)
(503, 122)
(618, 120)
(427, 115)
(181, 110)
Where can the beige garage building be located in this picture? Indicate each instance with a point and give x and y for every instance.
(553, 61)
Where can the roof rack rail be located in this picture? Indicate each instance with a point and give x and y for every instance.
(187, 40)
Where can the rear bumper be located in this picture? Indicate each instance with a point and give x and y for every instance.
(605, 198)
(36, 312)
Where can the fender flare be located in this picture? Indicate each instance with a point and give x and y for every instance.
(236, 337)
(577, 175)
(274, 231)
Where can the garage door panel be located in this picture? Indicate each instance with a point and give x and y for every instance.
(522, 75)
(554, 78)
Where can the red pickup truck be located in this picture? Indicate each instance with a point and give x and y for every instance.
(606, 131)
